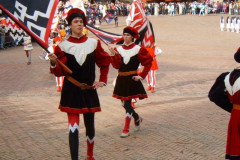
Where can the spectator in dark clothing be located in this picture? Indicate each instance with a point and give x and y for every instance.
(2, 36)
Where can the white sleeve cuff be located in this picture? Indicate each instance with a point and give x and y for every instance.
(53, 66)
(103, 83)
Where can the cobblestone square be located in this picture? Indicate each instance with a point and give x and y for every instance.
(179, 121)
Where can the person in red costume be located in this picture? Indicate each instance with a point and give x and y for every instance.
(151, 77)
(126, 59)
(76, 59)
(232, 84)
(59, 80)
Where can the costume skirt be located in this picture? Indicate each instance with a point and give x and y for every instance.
(233, 137)
(126, 88)
(76, 100)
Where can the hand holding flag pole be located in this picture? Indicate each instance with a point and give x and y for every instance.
(54, 59)
(64, 67)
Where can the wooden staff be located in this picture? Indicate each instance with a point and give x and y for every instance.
(64, 67)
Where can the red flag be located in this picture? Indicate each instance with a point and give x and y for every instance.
(35, 17)
(139, 20)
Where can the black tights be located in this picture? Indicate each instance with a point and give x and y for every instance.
(73, 135)
(129, 109)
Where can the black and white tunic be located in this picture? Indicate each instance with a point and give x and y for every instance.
(81, 56)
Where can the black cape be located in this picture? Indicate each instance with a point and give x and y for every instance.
(218, 93)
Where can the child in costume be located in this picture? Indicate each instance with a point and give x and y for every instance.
(27, 47)
(126, 59)
(151, 76)
(59, 79)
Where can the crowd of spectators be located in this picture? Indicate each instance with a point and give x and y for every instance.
(5, 39)
(182, 8)
(96, 12)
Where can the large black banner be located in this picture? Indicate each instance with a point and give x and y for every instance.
(34, 16)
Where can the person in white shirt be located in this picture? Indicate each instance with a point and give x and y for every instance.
(27, 47)
(233, 24)
(237, 25)
(202, 9)
(228, 24)
(222, 25)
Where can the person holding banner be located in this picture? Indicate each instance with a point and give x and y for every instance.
(76, 58)
(126, 59)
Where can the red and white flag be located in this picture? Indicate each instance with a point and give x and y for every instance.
(14, 30)
(138, 20)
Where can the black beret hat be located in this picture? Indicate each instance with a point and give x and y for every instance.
(237, 55)
(76, 12)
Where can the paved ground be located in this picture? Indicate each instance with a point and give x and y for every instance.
(180, 123)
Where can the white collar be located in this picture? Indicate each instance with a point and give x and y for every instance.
(79, 50)
(128, 53)
(232, 89)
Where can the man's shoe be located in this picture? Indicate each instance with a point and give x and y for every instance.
(149, 88)
(89, 158)
(59, 89)
(152, 90)
(124, 135)
(137, 127)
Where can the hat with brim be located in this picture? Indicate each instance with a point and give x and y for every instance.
(75, 12)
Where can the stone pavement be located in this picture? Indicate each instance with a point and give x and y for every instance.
(180, 123)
